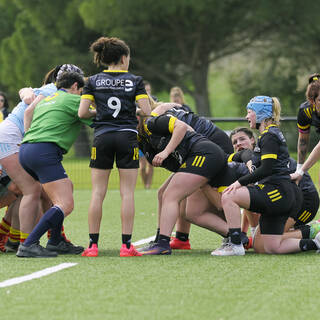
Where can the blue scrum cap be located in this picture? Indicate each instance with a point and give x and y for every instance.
(262, 106)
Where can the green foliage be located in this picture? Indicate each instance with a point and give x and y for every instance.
(45, 34)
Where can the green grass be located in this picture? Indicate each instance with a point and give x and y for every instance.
(185, 285)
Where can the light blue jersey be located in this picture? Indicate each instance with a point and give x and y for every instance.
(17, 114)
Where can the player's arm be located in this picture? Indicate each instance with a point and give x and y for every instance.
(164, 107)
(28, 113)
(303, 124)
(303, 145)
(144, 105)
(312, 159)
(87, 107)
(164, 125)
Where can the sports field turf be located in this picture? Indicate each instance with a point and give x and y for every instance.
(186, 285)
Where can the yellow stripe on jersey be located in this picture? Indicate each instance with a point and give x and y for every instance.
(154, 114)
(146, 128)
(141, 96)
(1, 116)
(230, 158)
(87, 96)
(115, 70)
(93, 153)
(171, 123)
(269, 156)
(307, 112)
(222, 188)
(303, 127)
(267, 128)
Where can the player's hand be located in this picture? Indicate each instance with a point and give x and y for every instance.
(233, 187)
(296, 177)
(249, 166)
(159, 158)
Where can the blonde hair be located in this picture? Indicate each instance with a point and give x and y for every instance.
(153, 103)
(276, 110)
(177, 91)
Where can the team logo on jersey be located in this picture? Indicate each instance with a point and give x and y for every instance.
(128, 85)
(184, 165)
(261, 186)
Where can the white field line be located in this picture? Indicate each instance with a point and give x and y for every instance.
(36, 275)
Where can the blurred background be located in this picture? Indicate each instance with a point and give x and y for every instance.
(221, 53)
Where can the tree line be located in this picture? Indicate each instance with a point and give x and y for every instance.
(275, 43)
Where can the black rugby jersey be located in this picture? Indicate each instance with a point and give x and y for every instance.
(114, 93)
(199, 124)
(271, 145)
(158, 134)
(229, 175)
(307, 117)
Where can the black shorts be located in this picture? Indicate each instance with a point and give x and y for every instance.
(275, 201)
(205, 159)
(220, 138)
(309, 208)
(119, 145)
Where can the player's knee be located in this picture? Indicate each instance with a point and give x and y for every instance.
(226, 199)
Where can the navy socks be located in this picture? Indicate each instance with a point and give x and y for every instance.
(52, 219)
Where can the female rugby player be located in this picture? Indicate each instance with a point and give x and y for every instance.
(54, 128)
(172, 144)
(113, 92)
(275, 197)
(204, 127)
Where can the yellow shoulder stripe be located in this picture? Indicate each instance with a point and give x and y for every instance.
(269, 156)
(154, 114)
(230, 158)
(171, 123)
(88, 96)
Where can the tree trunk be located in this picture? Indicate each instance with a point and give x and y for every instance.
(82, 145)
(201, 95)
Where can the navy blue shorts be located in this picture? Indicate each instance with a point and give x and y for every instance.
(42, 161)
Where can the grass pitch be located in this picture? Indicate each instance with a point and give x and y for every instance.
(186, 285)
